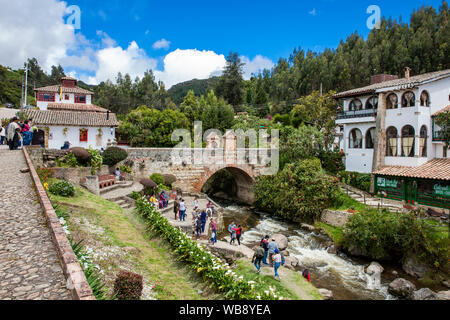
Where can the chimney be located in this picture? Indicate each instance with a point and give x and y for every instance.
(107, 115)
(407, 72)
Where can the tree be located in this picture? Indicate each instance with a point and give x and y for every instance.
(146, 128)
(443, 121)
(191, 107)
(56, 74)
(216, 113)
(230, 86)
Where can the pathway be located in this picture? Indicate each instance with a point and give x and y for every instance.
(29, 263)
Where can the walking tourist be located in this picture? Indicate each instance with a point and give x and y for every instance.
(273, 246)
(238, 231)
(182, 210)
(198, 228)
(2, 135)
(117, 174)
(11, 131)
(203, 218)
(231, 228)
(16, 140)
(277, 263)
(307, 275)
(257, 258)
(213, 231)
(195, 203)
(210, 208)
(176, 208)
(265, 245)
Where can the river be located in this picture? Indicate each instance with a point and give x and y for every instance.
(343, 275)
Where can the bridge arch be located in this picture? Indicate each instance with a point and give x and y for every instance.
(243, 177)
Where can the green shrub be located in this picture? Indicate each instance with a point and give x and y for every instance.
(301, 191)
(126, 169)
(114, 155)
(69, 160)
(157, 178)
(45, 173)
(96, 161)
(128, 286)
(332, 162)
(382, 234)
(135, 195)
(62, 188)
(358, 180)
(169, 179)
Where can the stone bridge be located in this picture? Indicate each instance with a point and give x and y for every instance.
(194, 167)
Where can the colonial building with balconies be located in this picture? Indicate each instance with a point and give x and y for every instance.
(389, 131)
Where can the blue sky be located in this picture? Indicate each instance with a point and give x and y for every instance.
(270, 28)
(178, 40)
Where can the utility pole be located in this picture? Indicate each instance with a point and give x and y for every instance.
(21, 92)
(26, 84)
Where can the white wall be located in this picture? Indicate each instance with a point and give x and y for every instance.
(73, 136)
(358, 160)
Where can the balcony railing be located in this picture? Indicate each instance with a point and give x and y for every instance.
(357, 114)
(436, 136)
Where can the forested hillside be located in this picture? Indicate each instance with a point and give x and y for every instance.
(200, 87)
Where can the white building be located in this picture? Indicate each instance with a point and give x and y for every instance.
(66, 113)
(389, 131)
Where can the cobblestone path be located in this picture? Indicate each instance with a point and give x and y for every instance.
(29, 264)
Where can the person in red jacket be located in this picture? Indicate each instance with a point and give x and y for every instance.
(306, 275)
(238, 233)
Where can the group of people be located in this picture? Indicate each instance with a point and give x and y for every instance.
(161, 201)
(199, 218)
(235, 233)
(17, 134)
(268, 249)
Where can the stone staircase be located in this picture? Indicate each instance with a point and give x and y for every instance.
(371, 201)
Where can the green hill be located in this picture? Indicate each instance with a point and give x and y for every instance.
(200, 87)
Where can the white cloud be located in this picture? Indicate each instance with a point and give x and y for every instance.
(33, 29)
(161, 44)
(184, 65)
(113, 60)
(258, 64)
(313, 12)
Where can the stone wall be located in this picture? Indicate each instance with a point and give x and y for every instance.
(77, 175)
(335, 218)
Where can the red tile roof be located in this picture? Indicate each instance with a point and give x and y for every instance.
(436, 169)
(75, 107)
(67, 118)
(57, 88)
(446, 109)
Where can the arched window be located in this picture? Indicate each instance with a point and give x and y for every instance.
(392, 142)
(408, 141)
(356, 139)
(408, 99)
(372, 103)
(370, 138)
(424, 99)
(355, 105)
(392, 101)
(423, 141)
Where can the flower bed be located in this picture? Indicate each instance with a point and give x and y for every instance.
(211, 268)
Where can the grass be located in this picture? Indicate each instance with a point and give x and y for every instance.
(335, 233)
(113, 227)
(292, 286)
(349, 203)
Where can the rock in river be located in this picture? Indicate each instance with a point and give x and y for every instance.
(327, 294)
(281, 241)
(424, 294)
(401, 288)
(374, 268)
(444, 295)
(414, 268)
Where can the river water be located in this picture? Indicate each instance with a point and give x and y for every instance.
(344, 276)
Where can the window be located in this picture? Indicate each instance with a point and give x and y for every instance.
(356, 139)
(372, 103)
(409, 99)
(408, 143)
(356, 104)
(423, 141)
(392, 101)
(80, 98)
(424, 99)
(370, 138)
(83, 135)
(392, 142)
(50, 97)
(66, 97)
